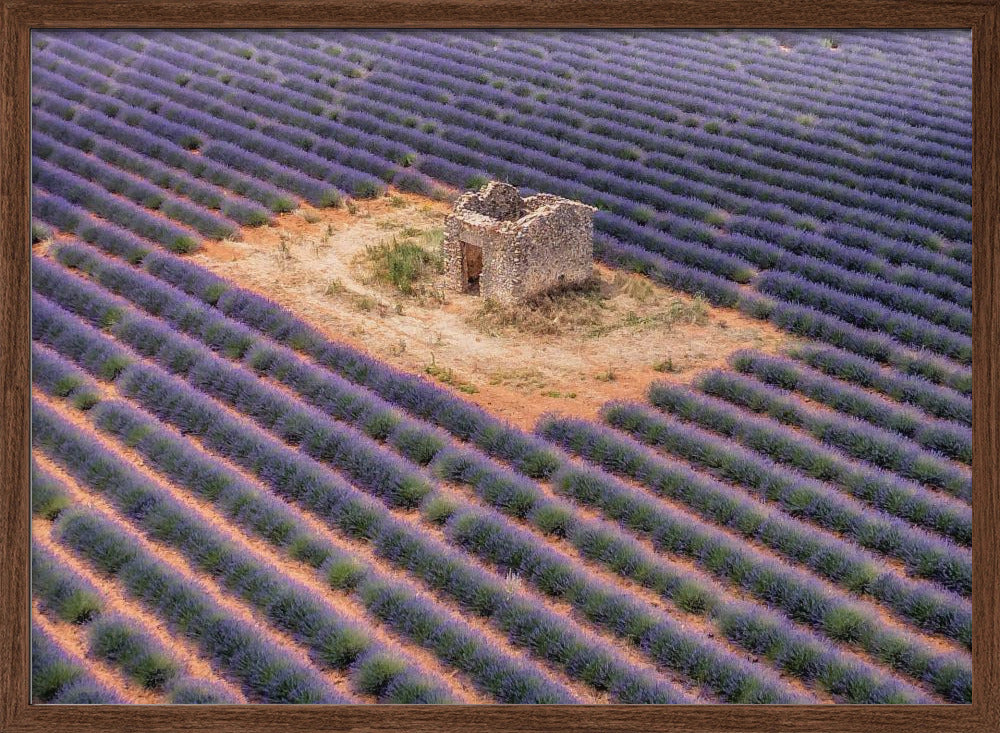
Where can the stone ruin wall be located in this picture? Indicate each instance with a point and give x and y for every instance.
(528, 245)
(554, 246)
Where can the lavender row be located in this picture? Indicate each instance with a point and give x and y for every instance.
(804, 453)
(334, 395)
(854, 249)
(61, 214)
(48, 497)
(237, 208)
(867, 314)
(93, 130)
(908, 389)
(136, 189)
(334, 640)
(505, 679)
(248, 507)
(805, 321)
(862, 119)
(405, 98)
(630, 98)
(923, 555)
(707, 60)
(296, 477)
(622, 255)
(60, 591)
(495, 672)
(939, 300)
(948, 438)
(98, 200)
(727, 173)
(74, 385)
(597, 118)
(466, 81)
(743, 624)
(722, 94)
(881, 80)
(683, 98)
(293, 475)
(328, 137)
(893, 53)
(858, 439)
(660, 637)
(59, 678)
(113, 638)
(132, 86)
(799, 595)
(218, 159)
(345, 448)
(718, 503)
(265, 670)
(417, 395)
(183, 689)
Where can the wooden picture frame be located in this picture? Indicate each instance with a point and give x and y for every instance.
(19, 17)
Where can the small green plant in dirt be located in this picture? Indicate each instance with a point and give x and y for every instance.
(666, 366)
(365, 303)
(335, 287)
(446, 375)
(284, 247)
(556, 394)
(397, 202)
(310, 216)
(401, 264)
(608, 375)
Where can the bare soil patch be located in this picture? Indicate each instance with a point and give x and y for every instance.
(569, 352)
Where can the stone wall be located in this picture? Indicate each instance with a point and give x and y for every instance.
(528, 245)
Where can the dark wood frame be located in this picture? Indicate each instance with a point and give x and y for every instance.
(18, 17)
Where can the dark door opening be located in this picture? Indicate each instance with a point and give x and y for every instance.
(472, 266)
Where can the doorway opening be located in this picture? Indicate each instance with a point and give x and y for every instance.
(472, 266)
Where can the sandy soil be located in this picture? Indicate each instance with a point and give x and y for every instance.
(597, 347)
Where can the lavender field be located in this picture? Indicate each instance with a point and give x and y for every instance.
(231, 505)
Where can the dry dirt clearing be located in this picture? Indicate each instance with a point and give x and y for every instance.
(570, 354)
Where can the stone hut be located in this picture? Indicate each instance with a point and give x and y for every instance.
(508, 248)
